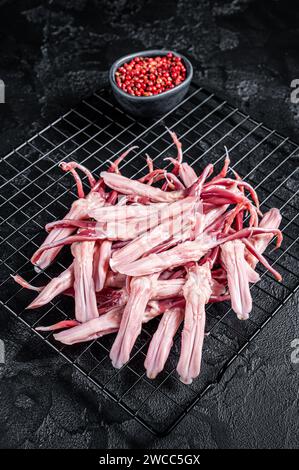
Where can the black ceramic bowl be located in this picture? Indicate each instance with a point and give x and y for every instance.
(150, 106)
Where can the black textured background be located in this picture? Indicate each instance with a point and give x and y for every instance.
(51, 54)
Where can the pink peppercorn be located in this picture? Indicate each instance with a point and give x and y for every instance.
(147, 76)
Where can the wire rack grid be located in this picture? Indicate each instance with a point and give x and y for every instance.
(35, 191)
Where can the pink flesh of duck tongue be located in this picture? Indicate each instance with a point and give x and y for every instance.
(185, 171)
(187, 175)
(188, 251)
(56, 286)
(155, 256)
(271, 219)
(58, 326)
(25, 284)
(92, 329)
(79, 210)
(115, 280)
(109, 298)
(197, 292)
(131, 323)
(107, 323)
(176, 216)
(213, 215)
(63, 284)
(179, 255)
(122, 225)
(165, 289)
(120, 212)
(172, 288)
(162, 341)
(85, 296)
(240, 272)
(133, 187)
(101, 264)
(239, 275)
(109, 311)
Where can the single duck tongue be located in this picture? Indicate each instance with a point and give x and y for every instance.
(271, 219)
(162, 341)
(239, 275)
(134, 188)
(56, 286)
(131, 323)
(197, 291)
(101, 260)
(85, 296)
(92, 329)
(103, 325)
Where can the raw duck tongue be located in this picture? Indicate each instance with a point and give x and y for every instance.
(197, 291)
(140, 293)
(85, 296)
(162, 341)
(239, 275)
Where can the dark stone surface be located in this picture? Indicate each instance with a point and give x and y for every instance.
(50, 56)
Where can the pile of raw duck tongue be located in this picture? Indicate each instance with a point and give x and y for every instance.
(166, 244)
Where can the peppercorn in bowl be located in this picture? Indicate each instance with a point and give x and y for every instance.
(149, 84)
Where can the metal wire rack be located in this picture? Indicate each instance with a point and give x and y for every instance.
(34, 192)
